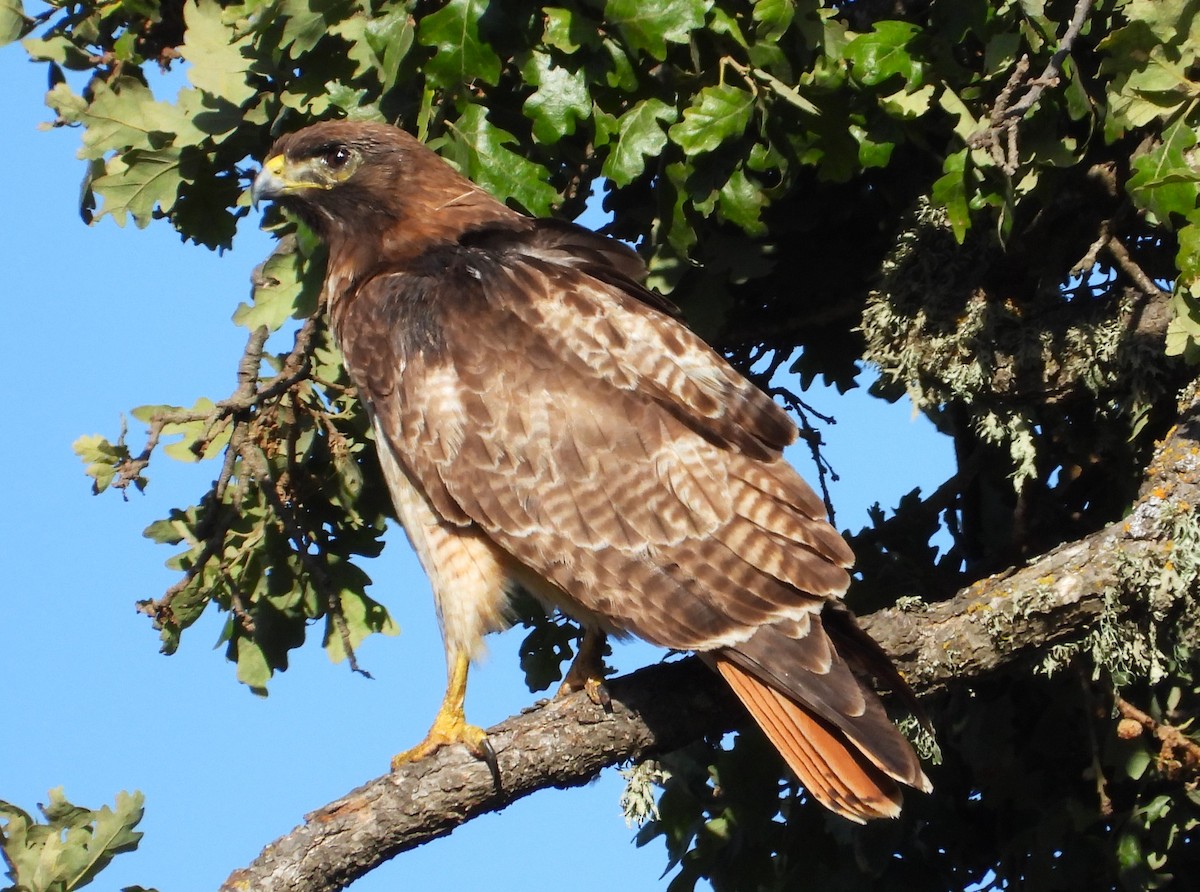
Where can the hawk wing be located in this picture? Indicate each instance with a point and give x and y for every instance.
(531, 393)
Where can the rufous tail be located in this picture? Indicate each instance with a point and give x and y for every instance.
(839, 773)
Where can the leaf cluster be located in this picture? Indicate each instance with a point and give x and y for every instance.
(70, 846)
(299, 501)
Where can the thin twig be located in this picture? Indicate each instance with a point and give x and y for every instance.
(246, 397)
(763, 379)
(1117, 250)
(1103, 800)
(247, 389)
(1015, 81)
(1006, 113)
(1088, 261)
(1053, 70)
(826, 473)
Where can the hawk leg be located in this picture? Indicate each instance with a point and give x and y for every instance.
(587, 670)
(450, 724)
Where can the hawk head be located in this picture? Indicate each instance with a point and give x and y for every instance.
(355, 182)
(337, 173)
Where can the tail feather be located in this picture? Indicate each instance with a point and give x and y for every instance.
(823, 782)
(839, 773)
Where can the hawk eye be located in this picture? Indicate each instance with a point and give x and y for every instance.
(336, 157)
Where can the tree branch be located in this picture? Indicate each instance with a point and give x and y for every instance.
(997, 622)
(248, 395)
(561, 743)
(1006, 114)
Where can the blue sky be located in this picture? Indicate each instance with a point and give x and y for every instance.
(102, 319)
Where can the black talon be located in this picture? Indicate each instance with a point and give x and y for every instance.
(488, 754)
(604, 697)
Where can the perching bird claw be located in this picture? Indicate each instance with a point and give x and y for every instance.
(450, 726)
(448, 729)
(598, 693)
(587, 671)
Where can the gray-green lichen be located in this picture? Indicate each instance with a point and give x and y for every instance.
(639, 801)
(1149, 624)
(922, 738)
(938, 329)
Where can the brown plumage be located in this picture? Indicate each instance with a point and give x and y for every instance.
(544, 420)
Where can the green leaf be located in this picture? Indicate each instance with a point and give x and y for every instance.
(1187, 258)
(1167, 20)
(1129, 852)
(741, 201)
(640, 135)
(110, 834)
(717, 114)
(462, 56)
(137, 184)
(305, 22)
(192, 433)
(281, 290)
(621, 75)
(479, 148)
(12, 20)
(664, 265)
(349, 478)
(252, 667)
(391, 36)
(567, 31)
(908, 106)
(123, 115)
(57, 48)
(1183, 331)
(101, 458)
(215, 50)
(883, 54)
(93, 447)
(728, 25)
(197, 115)
(965, 122)
(550, 642)
(353, 102)
(870, 152)
(561, 98)
(950, 191)
(1163, 182)
(1001, 51)
(72, 846)
(649, 25)
(164, 532)
(1137, 763)
(773, 18)
(1148, 81)
(363, 616)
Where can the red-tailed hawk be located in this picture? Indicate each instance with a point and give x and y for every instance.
(543, 420)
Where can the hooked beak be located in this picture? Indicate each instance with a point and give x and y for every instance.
(270, 182)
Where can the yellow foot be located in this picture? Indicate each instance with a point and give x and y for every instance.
(450, 725)
(447, 730)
